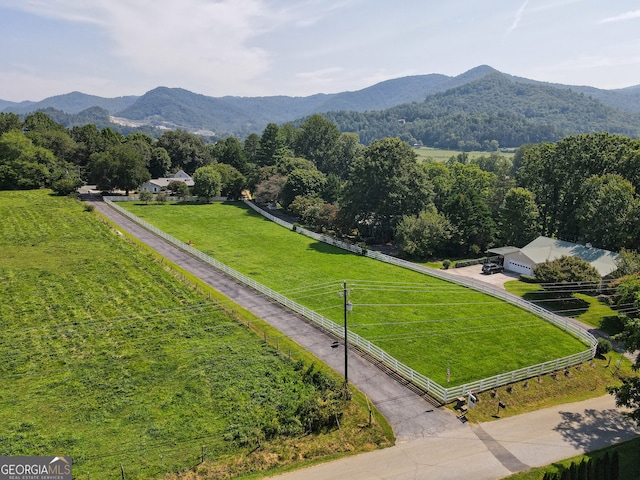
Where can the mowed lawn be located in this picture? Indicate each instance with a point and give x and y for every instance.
(426, 323)
(108, 357)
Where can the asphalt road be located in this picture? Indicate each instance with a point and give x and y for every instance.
(488, 451)
(431, 442)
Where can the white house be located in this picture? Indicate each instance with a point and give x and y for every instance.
(525, 259)
(156, 185)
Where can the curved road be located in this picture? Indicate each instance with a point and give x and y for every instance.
(431, 442)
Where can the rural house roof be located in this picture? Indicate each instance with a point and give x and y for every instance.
(179, 176)
(544, 249)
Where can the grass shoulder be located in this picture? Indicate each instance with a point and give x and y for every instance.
(588, 380)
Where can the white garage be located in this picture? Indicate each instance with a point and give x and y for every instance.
(524, 260)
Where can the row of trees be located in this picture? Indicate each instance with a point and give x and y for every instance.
(582, 188)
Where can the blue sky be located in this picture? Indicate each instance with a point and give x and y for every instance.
(301, 47)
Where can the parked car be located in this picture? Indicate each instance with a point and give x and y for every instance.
(490, 268)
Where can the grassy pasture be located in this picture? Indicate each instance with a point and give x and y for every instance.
(424, 322)
(440, 155)
(586, 308)
(108, 357)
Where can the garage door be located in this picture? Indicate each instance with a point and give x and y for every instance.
(518, 267)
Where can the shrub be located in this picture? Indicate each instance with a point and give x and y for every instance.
(528, 278)
(446, 264)
(89, 207)
(567, 275)
(604, 346)
(65, 186)
(145, 196)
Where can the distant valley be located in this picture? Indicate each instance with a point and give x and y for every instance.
(477, 109)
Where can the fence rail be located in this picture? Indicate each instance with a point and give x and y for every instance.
(431, 387)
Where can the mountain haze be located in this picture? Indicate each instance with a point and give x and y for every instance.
(433, 109)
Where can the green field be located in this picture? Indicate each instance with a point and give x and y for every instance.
(108, 357)
(586, 308)
(440, 155)
(424, 322)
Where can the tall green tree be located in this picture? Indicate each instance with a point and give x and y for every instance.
(608, 212)
(9, 121)
(302, 182)
(628, 394)
(232, 180)
(422, 236)
(519, 217)
(45, 132)
(467, 209)
(120, 167)
(317, 140)
(251, 145)
(231, 152)
(24, 165)
(272, 146)
(159, 163)
(187, 151)
(207, 182)
(89, 140)
(347, 149)
(555, 173)
(384, 184)
(473, 225)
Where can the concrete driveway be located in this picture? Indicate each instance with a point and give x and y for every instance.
(475, 272)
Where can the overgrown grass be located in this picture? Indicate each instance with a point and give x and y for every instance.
(424, 322)
(109, 357)
(566, 386)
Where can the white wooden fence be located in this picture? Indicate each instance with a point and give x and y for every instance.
(434, 389)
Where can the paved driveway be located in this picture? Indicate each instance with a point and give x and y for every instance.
(475, 272)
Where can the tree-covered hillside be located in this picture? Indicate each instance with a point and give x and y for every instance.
(492, 109)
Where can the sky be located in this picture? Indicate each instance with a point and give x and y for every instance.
(113, 48)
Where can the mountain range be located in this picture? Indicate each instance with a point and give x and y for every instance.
(481, 92)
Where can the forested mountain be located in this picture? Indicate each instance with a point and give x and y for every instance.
(73, 102)
(480, 108)
(493, 110)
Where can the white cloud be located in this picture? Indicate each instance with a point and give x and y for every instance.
(517, 18)
(199, 39)
(622, 18)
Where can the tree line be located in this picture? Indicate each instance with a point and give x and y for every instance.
(582, 188)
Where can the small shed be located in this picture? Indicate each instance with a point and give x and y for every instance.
(524, 260)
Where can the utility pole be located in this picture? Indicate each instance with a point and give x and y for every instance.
(346, 345)
(347, 307)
